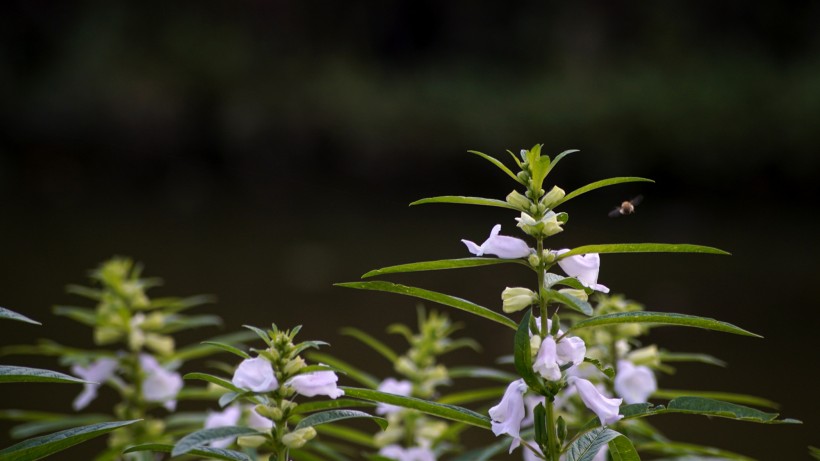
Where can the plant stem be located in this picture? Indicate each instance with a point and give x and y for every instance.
(552, 435)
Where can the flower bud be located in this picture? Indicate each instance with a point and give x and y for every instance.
(251, 441)
(294, 365)
(161, 344)
(534, 260)
(517, 298)
(299, 437)
(555, 194)
(645, 356)
(405, 367)
(518, 200)
(535, 344)
(580, 294)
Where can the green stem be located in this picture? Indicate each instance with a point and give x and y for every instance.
(552, 434)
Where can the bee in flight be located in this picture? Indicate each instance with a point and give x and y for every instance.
(626, 208)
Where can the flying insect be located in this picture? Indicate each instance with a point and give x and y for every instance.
(627, 207)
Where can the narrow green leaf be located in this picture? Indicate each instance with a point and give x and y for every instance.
(30, 429)
(195, 351)
(433, 296)
(221, 382)
(259, 332)
(588, 445)
(662, 318)
(175, 323)
(670, 448)
(441, 265)
(304, 345)
(228, 348)
(497, 163)
(482, 372)
(181, 304)
(207, 452)
(570, 301)
(374, 343)
(46, 445)
(706, 407)
(12, 374)
(331, 416)
(621, 449)
(85, 292)
(598, 185)
(460, 200)
(83, 315)
(608, 371)
(11, 315)
(199, 438)
(352, 372)
(558, 159)
(320, 405)
(666, 356)
(523, 355)
(642, 248)
(742, 399)
(450, 412)
(347, 434)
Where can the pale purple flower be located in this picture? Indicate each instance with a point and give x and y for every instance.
(255, 375)
(571, 349)
(228, 417)
(316, 383)
(160, 385)
(605, 408)
(257, 421)
(393, 386)
(97, 372)
(583, 267)
(508, 414)
(399, 453)
(634, 383)
(503, 246)
(546, 361)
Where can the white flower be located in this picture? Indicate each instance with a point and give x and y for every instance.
(393, 386)
(399, 453)
(546, 361)
(98, 372)
(228, 417)
(500, 245)
(255, 375)
(508, 414)
(160, 385)
(605, 408)
(546, 226)
(316, 383)
(571, 349)
(583, 267)
(257, 421)
(634, 383)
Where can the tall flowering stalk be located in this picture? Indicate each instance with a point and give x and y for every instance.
(562, 377)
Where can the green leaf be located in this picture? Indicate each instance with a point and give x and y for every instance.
(460, 200)
(26, 430)
(175, 323)
(181, 304)
(85, 292)
(318, 405)
(523, 354)
(347, 434)
(83, 315)
(642, 248)
(352, 372)
(11, 315)
(661, 318)
(440, 298)
(814, 452)
(331, 416)
(208, 452)
(482, 372)
(221, 382)
(621, 449)
(742, 399)
(473, 395)
(12, 374)
(228, 348)
(558, 159)
(666, 356)
(684, 449)
(450, 412)
(441, 264)
(706, 407)
(608, 371)
(497, 163)
(598, 185)
(568, 300)
(588, 445)
(259, 332)
(374, 343)
(304, 345)
(199, 438)
(195, 351)
(46, 445)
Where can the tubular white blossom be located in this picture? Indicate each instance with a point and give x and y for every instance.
(508, 414)
(571, 349)
(605, 408)
(503, 246)
(228, 417)
(316, 383)
(634, 383)
(160, 385)
(255, 375)
(98, 372)
(393, 386)
(583, 267)
(546, 361)
(399, 453)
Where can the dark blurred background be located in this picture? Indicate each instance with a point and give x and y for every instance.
(261, 151)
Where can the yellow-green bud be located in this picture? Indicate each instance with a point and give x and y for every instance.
(106, 335)
(516, 299)
(154, 321)
(551, 224)
(294, 365)
(518, 200)
(534, 260)
(535, 344)
(548, 257)
(251, 441)
(645, 356)
(555, 194)
(580, 294)
(268, 411)
(392, 434)
(161, 344)
(136, 339)
(405, 366)
(427, 429)
(299, 437)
